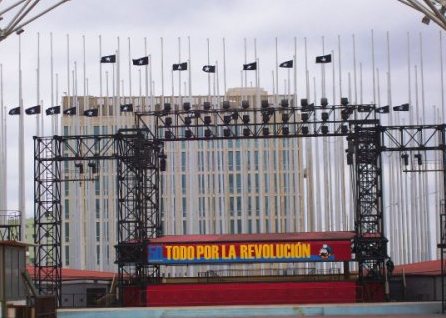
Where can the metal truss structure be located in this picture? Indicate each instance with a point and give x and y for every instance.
(9, 225)
(17, 15)
(433, 10)
(140, 158)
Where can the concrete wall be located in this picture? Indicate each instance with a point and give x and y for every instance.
(418, 288)
(75, 294)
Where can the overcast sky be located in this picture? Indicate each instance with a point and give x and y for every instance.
(261, 21)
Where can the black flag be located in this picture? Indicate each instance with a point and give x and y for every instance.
(126, 108)
(91, 112)
(323, 58)
(14, 111)
(180, 67)
(33, 110)
(108, 59)
(250, 66)
(209, 68)
(401, 108)
(141, 61)
(382, 110)
(70, 111)
(53, 110)
(286, 64)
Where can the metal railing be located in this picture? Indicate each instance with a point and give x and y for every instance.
(10, 225)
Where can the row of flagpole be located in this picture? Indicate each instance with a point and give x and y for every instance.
(314, 200)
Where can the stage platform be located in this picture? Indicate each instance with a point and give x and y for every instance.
(424, 309)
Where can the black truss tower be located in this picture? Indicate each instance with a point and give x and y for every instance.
(139, 157)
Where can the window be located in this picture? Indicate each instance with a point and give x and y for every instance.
(231, 183)
(238, 160)
(67, 255)
(98, 255)
(97, 188)
(67, 231)
(98, 231)
(98, 209)
(67, 209)
(230, 161)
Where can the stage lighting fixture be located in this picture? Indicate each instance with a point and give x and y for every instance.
(168, 134)
(226, 104)
(344, 129)
(344, 101)
(349, 158)
(285, 118)
(163, 164)
(206, 105)
(227, 119)
(245, 104)
(208, 133)
(227, 132)
(207, 120)
(304, 102)
(168, 121)
(265, 131)
(187, 121)
(167, 107)
(305, 130)
(304, 117)
(324, 129)
(265, 118)
(405, 158)
(188, 133)
(419, 158)
(245, 119)
(186, 106)
(285, 131)
(325, 116)
(365, 108)
(234, 115)
(284, 103)
(324, 102)
(80, 166)
(246, 132)
(264, 103)
(308, 108)
(93, 167)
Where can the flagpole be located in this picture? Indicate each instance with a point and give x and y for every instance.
(38, 121)
(257, 75)
(2, 145)
(295, 74)
(209, 74)
(53, 120)
(140, 89)
(224, 66)
(100, 70)
(4, 153)
(22, 194)
(179, 73)
(56, 125)
(130, 70)
(68, 73)
(146, 71)
(441, 76)
(373, 68)
(218, 83)
(118, 81)
(354, 69)
(189, 68)
(162, 72)
(84, 69)
(276, 102)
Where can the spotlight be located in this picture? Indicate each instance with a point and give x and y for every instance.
(246, 132)
(208, 133)
(235, 115)
(186, 106)
(245, 104)
(284, 103)
(265, 118)
(285, 118)
(325, 116)
(349, 158)
(344, 129)
(308, 108)
(167, 107)
(285, 131)
(188, 133)
(245, 119)
(304, 102)
(365, 108)
(227, 132)
(187, 121)
(227, 119)
(207, 120)
(168, 134)
(324, 102)
(265, 131)
(93, 167)
(344, 101)
(168, 121)
(264, 103)
(304, 117)
(345, 114)
(405, 158)
(419, 159)
(163, 164)
(305, 130)
(324, 129)
(226, 104)
(206, 105)
(80, 165)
